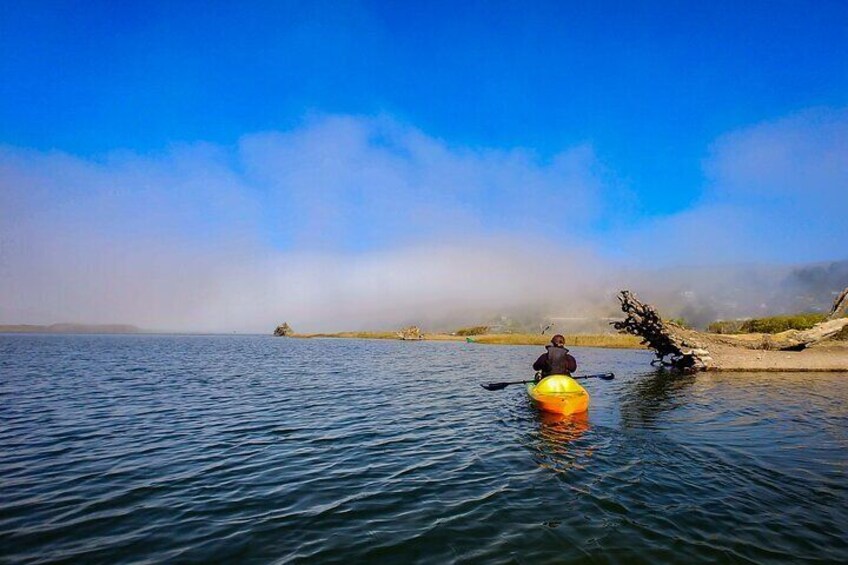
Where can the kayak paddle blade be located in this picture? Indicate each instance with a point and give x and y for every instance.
(501, 386)
(602, 376)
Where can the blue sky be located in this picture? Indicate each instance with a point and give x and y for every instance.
(332, 127)
(649, 84)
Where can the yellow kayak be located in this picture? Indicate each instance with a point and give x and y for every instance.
(559, 394)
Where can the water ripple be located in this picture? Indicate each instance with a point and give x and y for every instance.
(148, 449)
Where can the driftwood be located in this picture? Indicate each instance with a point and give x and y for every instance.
(688, 350)
(671, 346)
(790, 340)
(411, 333)
(840, 306)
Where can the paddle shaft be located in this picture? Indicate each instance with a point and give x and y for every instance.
(501, 386)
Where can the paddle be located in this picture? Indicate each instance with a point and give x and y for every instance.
(501, 386)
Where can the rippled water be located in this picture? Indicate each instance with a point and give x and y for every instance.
(219, 448)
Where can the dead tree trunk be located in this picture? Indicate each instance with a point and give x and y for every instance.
(687, 350)
(668, 340)
(840, 306)
(796, 340)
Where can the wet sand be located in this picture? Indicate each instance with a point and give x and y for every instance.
(825, 357)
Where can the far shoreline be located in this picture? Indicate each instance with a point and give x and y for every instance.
(609, 341)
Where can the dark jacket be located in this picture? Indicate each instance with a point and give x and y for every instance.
(556, 361)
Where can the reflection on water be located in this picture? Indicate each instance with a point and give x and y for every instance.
(255, 449)
(570, 425)
(650, 394)
(556, 445)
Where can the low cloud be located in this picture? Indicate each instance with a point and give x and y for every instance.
(343, 223)
(775, 192)
(344, 181)
(355, 223)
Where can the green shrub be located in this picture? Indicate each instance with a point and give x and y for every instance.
(777, 324)
(682, 322)
(473, 330)
(725, 327)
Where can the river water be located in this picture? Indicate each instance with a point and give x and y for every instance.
(140, 449)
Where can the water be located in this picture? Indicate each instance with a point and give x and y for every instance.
(140, 449)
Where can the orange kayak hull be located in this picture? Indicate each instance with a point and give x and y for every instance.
(559, 394)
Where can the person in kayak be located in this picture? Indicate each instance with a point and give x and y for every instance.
(557, 360)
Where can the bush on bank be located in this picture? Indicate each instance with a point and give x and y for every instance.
(473, 330)
(770, 325)
(725, 327)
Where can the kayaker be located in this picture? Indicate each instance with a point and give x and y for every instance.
(557, 360)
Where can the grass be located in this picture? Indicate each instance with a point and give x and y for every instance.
(725, 327)
(473, 330)
(777, 324)
(353, 335)
(682, 322)
(617, 341)
(770, 325)
(773, 325)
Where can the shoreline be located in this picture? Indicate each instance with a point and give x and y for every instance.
(826, 357)
(609, 341)
(829, 357)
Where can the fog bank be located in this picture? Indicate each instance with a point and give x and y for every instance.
(365, 223)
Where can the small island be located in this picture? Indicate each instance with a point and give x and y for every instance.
(283, 330)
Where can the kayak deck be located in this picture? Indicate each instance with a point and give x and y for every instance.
(559, 394)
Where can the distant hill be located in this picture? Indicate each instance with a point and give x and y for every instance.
(71, 329)
(746, 292)
(698, 295)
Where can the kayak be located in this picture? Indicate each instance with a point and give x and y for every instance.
(559, 394)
